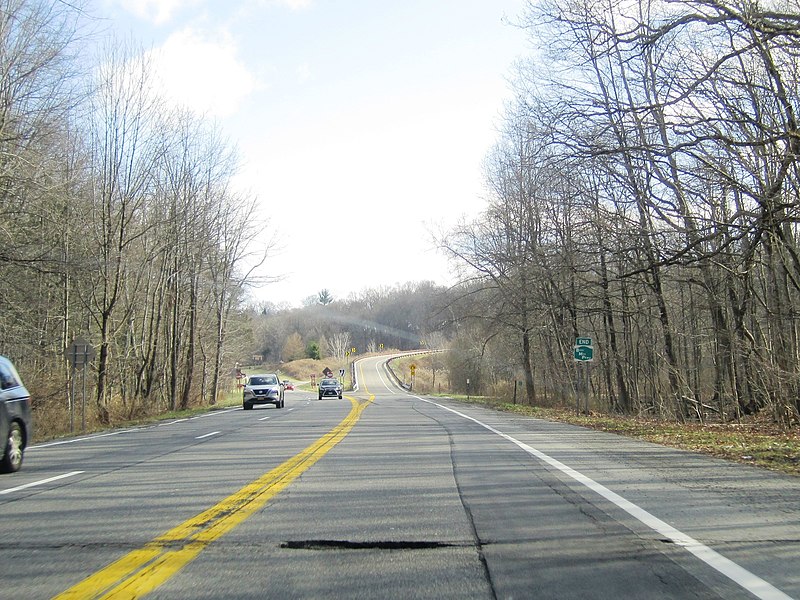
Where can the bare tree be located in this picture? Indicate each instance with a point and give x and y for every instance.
(39, 86)
(339, 344)
(125, 146)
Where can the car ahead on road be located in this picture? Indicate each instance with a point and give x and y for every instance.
(288, 385)
(15, 417)
(330, 387)
(262, 389)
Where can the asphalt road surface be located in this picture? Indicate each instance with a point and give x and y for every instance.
(384, 494)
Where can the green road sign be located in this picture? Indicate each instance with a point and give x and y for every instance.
(584, 353)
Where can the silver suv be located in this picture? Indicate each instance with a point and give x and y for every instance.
(262, 389)
(15, 417)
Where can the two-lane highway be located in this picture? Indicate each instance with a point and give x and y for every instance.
(384, 494)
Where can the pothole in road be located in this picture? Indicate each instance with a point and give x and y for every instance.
(365, 545)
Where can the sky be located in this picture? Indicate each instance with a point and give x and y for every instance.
(361, 125)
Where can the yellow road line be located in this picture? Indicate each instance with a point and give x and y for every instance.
(144, 570)
(361, 379)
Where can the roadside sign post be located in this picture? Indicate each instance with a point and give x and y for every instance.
(80, 353)
(413, 372)
(583, 353)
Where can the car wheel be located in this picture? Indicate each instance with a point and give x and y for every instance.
(247, 405)
(320, 396)
(340, 396)
(12, 457)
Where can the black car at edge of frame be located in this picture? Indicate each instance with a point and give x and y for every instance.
(15, 417)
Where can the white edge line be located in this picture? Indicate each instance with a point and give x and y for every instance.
(200, 437)
(749, 581)
(41, 482)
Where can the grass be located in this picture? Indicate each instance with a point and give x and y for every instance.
(755, 442)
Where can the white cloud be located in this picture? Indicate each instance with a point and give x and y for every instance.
(202, 74)
(157, 12)
(303, 73)
(294, 4)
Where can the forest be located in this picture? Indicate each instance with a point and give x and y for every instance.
(119, 224)
(644, 194)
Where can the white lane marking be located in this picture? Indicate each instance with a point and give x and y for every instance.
(265, 418)
(113, 433)
(41, 482)
(378, 366)
(749, 581)
(215, 413)
(200, 437)
(80, 439)
(212, 413)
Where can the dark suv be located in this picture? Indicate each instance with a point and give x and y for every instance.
(330, 387)
(15, 417)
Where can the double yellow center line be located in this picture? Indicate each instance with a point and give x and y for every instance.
(144, 570)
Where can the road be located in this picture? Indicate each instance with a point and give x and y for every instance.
(384, 494)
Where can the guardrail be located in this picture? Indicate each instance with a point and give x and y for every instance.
(390, 371)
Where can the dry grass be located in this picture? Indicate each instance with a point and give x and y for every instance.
(303, 369)
(427, 379)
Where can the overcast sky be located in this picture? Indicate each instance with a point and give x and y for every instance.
(361, 125)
